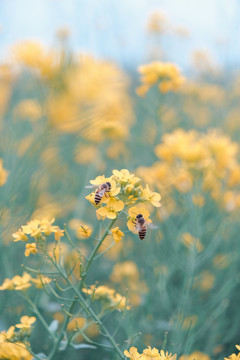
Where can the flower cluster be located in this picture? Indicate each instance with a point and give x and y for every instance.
(125, 191)
(24, 282)
(189, 157)
(166, 75)
(234, 356)
(3, 174)
(14, 341)
(108, 297)
(149, 354)
(38, 230)
(87, 85)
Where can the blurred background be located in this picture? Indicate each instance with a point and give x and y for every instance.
(148, 86)
(117, 30)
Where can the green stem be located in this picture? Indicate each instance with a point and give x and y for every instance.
(56, 345)
(95, 250)
(90, 312)
(37, 313)
(82, 301)
(71, 243)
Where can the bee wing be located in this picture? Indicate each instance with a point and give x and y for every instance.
(150, 225)
(91, 186)
(138, 227)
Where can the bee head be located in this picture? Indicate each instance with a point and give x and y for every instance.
(109, 184)
(139, 216)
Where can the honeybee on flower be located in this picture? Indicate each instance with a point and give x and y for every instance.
(139, 221)
(102, 189)
(105, 188)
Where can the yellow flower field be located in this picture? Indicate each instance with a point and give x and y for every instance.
(119, 204)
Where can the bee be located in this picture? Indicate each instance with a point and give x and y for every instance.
(102, 190)
(141, 226)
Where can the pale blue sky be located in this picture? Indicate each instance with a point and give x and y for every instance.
(116, 29)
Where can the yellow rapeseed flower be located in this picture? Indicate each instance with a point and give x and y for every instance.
(166, 75)
(7, 335)
(21, 282)
(58, 234)
(26, 322)
(31, 249)
(14, 351)
(109, 298)
(41, 281)
(150, 196)
(117, 234)
(84, 232)
(20, 236)
(17, 283)
(7, 285)
(151, 353)
(196, 355)
(167, 356)
(111, 209)
(123, 176)
(132, 353)
(47, 228)
(32, 228)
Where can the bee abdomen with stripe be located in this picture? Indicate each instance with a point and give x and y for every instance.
(142, 232)
(97, 198)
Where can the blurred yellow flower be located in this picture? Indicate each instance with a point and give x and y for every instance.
(109, 298)
(126, 272)
(14, 351)
(46, 226)
(58, 233)
(158, 22)
(3, 174)
(167, 356)
(196, 355)
(33, 54)
(7, 335)
(20, 236)
(222, 261)
(205, 281)
(7, 285)
(168, 75)
(32, 228)
(17, 282)
(41, 281)
(198, 200)
(84, 232)
(31, 249)
(191, 241)
(28, 109)
(149, 354)
(26, 322)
